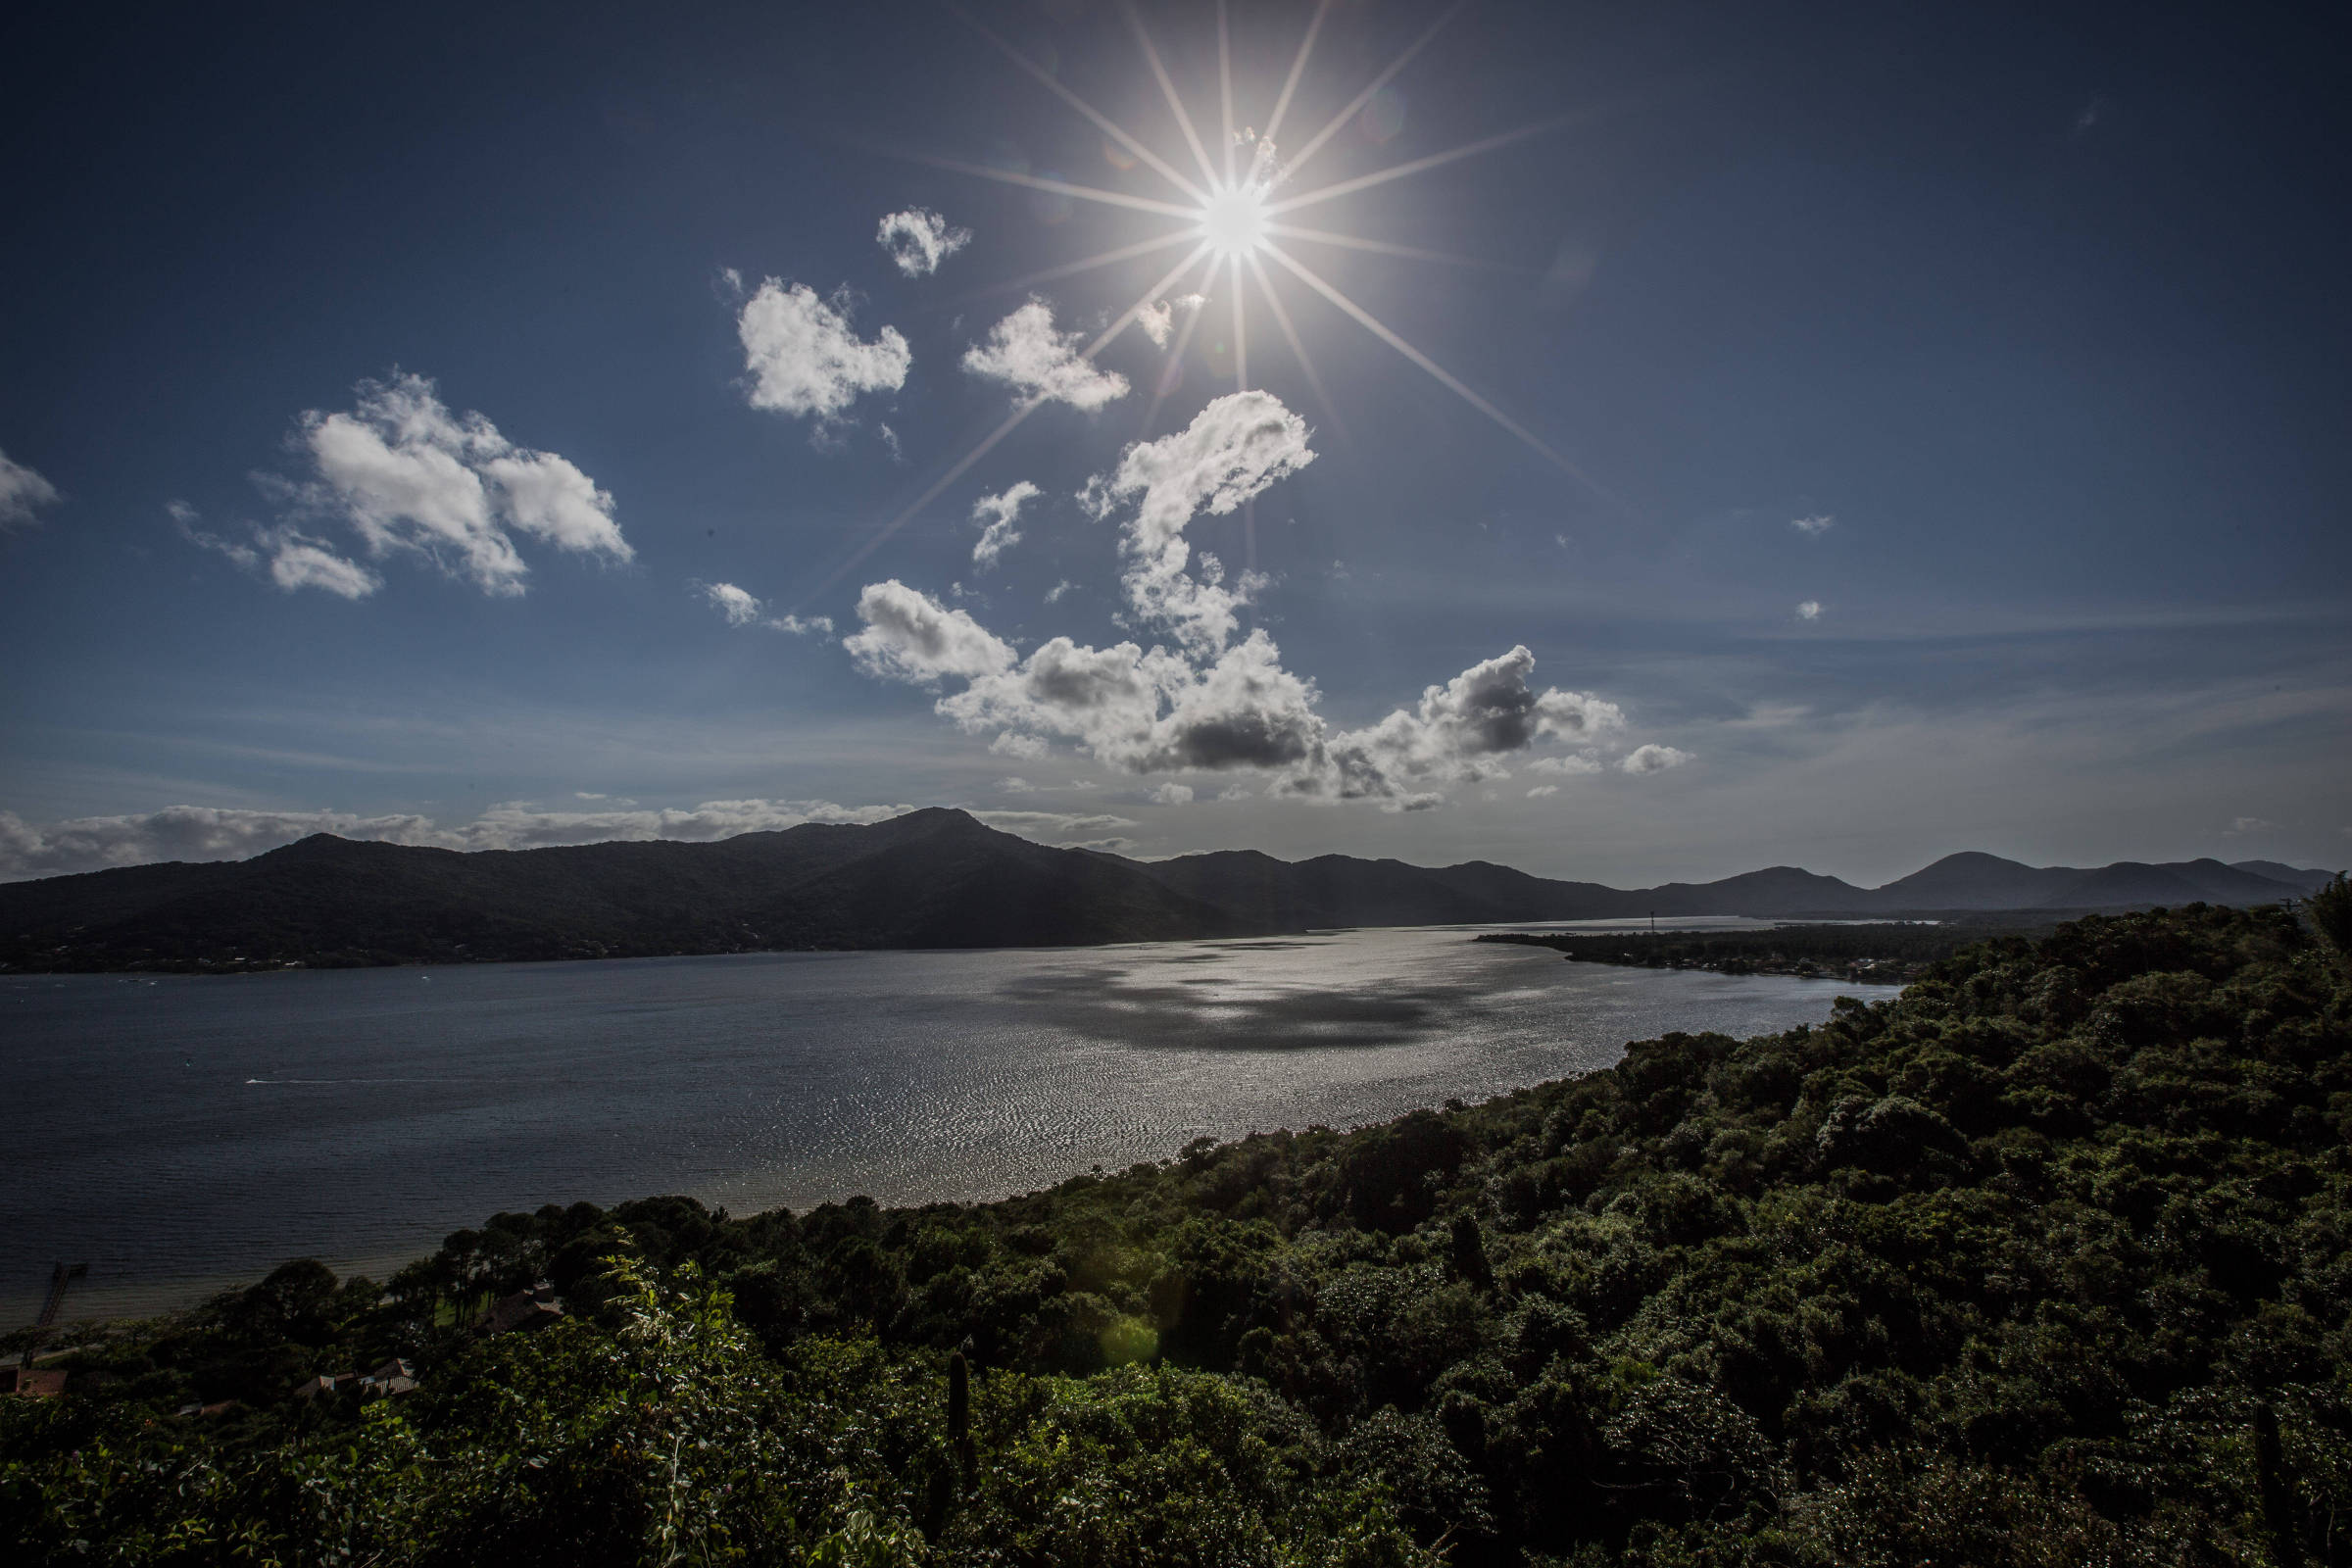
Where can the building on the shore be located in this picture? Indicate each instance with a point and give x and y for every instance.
(533, 1308)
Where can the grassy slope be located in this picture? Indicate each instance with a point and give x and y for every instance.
(2050, 1260)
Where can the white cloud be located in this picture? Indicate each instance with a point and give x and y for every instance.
(919, 239)
(1017, 786)
(1011, 744)
(291, 558)
(2242, 825)
(1810, 610)
(1232, 451)
(912, 637)
(1172, 794)
(1235, 792)
(1486, 712)
(219, 833)
(1158, 319)
(742, 608)
(1575, 763)
(1212, 703)
(1543, 790)
(23, 492)
(996, 515)
(805, 358)
(803, 626)
(1025, 353)
(1815, 526)
(404, 474)
(1057, 826)
(1055, 593)
(1653, 758)
(739, 606)
(299, 563)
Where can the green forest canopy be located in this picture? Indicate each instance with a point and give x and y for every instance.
(2048, 1261)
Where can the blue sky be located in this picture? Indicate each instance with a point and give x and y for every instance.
(1896, 431)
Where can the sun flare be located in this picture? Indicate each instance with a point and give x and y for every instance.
(1233, 220)
(1236, 220)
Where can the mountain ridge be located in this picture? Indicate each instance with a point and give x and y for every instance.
(932, 878)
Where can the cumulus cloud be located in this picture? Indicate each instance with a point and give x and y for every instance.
(1653, 758)
(284, 555)
(997, 516)
(1574, 763)
(919, 239)
(407, 474)
(23, 493)
(1158, 319)
(1815, 526)
(805, 357)
(217, 833)
(1461, 730)
(1013, 744)
(1810, 610)
(1211, 703)
(912, 637)
(1172, 794)
(1025, 353)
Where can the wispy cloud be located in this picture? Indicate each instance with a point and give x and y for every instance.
(1653, 758)
(284, 555)
(1814, 527)
(742, 608)
(23, 493)
(997, 516)
(219, 833)
(1158, 319)
(1056, 827)
(1809, 610)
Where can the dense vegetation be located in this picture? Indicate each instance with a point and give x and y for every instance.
(1881, 952)
(2047, 1261)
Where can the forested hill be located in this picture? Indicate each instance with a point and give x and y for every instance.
(934, 878)
(2047, 1261)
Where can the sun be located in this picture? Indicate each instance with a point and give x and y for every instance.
(1235, 222)
(1233, 216)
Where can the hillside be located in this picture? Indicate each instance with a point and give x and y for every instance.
(935, 878)
(930, 879)
(2046, 1261)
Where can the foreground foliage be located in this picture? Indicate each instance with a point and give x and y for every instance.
(2048, 1262)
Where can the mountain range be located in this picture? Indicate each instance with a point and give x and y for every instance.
(935, 878)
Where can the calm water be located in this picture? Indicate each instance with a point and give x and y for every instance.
(184, 1133)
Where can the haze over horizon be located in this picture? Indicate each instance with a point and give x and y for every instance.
(1832, 441)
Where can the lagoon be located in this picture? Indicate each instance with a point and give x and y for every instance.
(184, 1132)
